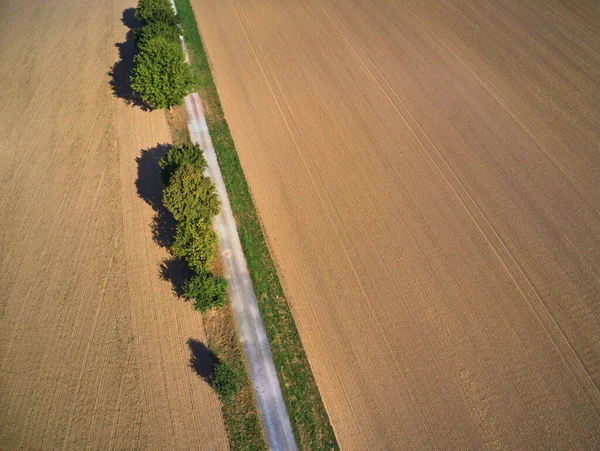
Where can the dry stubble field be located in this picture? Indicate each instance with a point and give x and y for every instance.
(427, 177)
(93, 343)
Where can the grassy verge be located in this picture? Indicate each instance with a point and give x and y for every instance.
(239, 411)
(307, 414)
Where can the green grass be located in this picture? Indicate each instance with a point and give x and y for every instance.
(307, 414)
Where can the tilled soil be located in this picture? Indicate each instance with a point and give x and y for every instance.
(94, 346)
(427, 178)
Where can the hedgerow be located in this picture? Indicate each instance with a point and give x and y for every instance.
(192, 199)
(162, 78)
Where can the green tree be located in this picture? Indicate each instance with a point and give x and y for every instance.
(207, 291)
(149, 11)
(169, 31)
(196, 243)
(161, 76)
(227, 380)
(191, 196)
(187, 153)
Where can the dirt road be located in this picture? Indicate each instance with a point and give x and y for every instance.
(94, 346)
(427, 176)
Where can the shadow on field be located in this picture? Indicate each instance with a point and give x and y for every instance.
(149, 187)
(176, 271)
(202, 360)
(149, 184)
(120, 73)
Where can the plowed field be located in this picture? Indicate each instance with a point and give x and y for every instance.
(93, 343)
(427, 177)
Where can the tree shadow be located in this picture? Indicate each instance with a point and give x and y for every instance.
(122, 70)
(163, 228)
(202, 360)
(176, 271)
(149, 183)
(150, 188)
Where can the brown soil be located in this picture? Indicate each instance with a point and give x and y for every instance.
(94, 346)
(427, 176)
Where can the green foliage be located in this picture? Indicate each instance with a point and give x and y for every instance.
(186, 153)
(207, 291)
(196, 243)
(150, 11)
(227, 380)
(161, 76)
(191, 196)
(168, 31)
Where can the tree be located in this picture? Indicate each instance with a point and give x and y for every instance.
(227, 380)
(191, 196)
(196, 243)
(161, 76)
(150, 11)
(207, 291)
(188, 153)
(144, 34)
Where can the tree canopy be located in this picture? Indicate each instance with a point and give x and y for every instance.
(196, 243)
(149, 11)
(191, 196)
(161, 76)
(188, 153)
(169, 31)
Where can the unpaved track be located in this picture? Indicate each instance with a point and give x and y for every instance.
(427, 177)
(93, 344)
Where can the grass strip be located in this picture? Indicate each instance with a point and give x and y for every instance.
(309, 419)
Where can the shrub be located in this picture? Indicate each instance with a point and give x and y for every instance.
(150, 11)
(227, 380)
(161, 76)
(144, 34)
(207, 291)
(191, 196)
(176, 156)
(196, 243)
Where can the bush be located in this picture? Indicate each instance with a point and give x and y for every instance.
(196, 243)
(191, 196)
(161, 76)
(144, 34)
(151, 11)
(207, 291)
(186, 153)
(227, 380)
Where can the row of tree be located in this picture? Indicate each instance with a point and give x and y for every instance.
(161, 76)
(192, 199)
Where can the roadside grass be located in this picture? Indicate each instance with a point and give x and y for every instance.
(309, 419)
(239, 411)
(178, 125)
